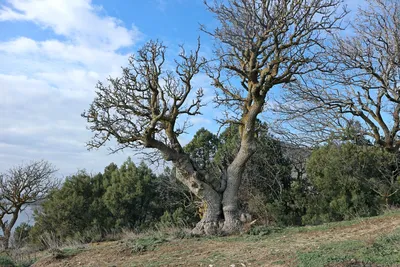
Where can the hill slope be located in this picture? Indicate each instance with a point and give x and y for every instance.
(365, 242)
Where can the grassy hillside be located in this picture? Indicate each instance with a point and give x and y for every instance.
(364, 242)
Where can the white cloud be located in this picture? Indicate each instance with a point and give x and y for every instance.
(76, 19)
(200, 121)
(18, 89)
(19, 45)
(46, 84)
(55, 50)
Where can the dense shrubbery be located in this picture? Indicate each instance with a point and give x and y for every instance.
(89, 207)
(342, 181)
(350, 181)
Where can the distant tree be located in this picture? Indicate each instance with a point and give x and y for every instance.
(260, 45)
(102, 218)
(202, 148)
(89, 206)
(19, 186)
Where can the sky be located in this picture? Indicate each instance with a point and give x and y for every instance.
(52, 53)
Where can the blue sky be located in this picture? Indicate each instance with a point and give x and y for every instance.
(52, 53)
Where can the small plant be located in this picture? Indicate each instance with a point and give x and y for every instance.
(181, 233)
(20, 257)
(6, 261)
(12, 258)
(264, 230)
(145, 244)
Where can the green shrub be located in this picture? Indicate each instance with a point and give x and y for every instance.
(145, 244)
(6, 261)
(264, 230)
(177, 219)
(348, 181)
(21, 234)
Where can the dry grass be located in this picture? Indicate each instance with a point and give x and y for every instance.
(276, 249)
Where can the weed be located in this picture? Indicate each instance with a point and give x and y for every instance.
(385, 250)
(145, 244)
(6, 261)
(264, 230)
(66, 252)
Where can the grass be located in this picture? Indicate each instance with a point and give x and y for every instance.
(66, 252)
(144, 244)
(383, 251)
(362, 242)
(6, 261)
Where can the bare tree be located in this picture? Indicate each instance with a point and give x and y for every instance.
(20, 186)
(362, 83)
(261, 44)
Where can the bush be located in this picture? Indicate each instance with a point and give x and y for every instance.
(264, 230)
(145, 244)
(87, 208)
(21, 234)
(346, 180)
(6, 261)
(177, 219)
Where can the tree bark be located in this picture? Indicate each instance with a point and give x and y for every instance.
(7, 227)
(5, 239)
(230, 201)
(210, 223)
(197, 184)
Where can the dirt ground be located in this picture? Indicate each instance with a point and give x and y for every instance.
(271, 250)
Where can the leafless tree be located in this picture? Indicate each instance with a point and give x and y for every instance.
(260, 44)
(20, 186)
(361, 84)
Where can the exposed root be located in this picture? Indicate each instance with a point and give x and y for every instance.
(207, 228)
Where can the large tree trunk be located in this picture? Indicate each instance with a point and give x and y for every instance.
(197, 184)
(204, 190)
(210, 223)
(230, 201)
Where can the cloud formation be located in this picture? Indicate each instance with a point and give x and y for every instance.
(78, 20)
(47, 83)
